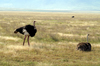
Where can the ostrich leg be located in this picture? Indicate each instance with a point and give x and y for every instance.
(24, 40)
(28, 41)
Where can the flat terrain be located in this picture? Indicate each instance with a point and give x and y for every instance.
(55, 41)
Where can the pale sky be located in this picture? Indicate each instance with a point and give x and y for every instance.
(51, 4)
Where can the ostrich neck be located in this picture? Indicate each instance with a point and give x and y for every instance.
(87, 38)
(34, 24)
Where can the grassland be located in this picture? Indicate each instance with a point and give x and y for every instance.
(55, 41)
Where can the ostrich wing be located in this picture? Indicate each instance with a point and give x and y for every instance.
(31, 30)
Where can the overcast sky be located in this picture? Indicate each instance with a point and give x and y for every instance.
(51, 4)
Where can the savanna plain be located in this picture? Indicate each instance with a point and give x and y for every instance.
(55, 41)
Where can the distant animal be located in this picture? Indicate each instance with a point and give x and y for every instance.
(72, 16)
(27, 30)
(84, 46)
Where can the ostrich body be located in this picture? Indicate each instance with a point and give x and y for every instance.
(72, 16)
(84, 46)
(28, 30)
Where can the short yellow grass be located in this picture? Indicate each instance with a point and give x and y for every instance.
(55, 42)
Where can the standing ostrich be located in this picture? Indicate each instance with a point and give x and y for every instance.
(84, 46)
(28, 30)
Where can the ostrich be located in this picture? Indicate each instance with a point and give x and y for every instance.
(28, 30)
(72, 16)
(84, 46)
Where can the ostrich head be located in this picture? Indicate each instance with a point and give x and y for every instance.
(87, 34)
(15, 32)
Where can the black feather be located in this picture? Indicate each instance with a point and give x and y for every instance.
(30, 29)
(20, 30)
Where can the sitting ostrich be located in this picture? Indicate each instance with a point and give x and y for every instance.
(28, 30)
(84, 46)
(73, 16)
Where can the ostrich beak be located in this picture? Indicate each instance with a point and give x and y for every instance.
(15, 32)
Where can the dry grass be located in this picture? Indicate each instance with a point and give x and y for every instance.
(54, 43)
